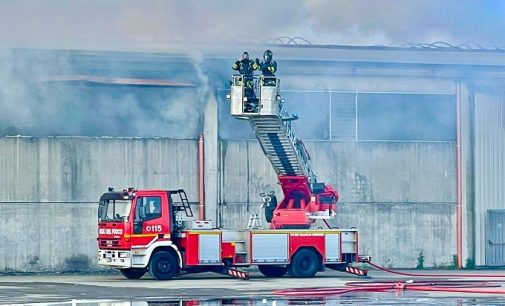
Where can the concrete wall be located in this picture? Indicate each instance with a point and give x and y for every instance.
(50, 187)
(400, 195)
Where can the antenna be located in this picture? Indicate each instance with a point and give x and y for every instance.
(138, 180)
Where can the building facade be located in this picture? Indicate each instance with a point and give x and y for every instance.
(411, 137)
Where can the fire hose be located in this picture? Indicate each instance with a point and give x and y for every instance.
(437, 275)
(436, 285)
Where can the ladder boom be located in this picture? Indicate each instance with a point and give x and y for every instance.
(258, 100)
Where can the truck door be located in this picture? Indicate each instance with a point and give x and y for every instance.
(149, 218)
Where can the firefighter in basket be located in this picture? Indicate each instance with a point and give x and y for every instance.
(268, 67)
(246, 67)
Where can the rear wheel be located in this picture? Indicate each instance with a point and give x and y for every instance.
(305, 263)
(272, 271)
(163, 265)
(133, 273)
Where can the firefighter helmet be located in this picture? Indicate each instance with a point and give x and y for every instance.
(245, 56)
(267, 56)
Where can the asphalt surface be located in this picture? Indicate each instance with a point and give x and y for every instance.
(213, 289)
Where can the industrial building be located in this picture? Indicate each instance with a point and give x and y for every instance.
(411, 136)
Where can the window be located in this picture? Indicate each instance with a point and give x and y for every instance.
(113, 210)
(425, 117)
(343, 116)
(148, 207)
(313, 109)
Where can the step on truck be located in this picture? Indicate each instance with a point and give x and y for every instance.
(155, 231)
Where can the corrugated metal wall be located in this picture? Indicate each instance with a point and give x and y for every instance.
(489, 163)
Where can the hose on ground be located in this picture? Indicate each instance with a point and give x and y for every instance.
(435, 275)
(434, 285)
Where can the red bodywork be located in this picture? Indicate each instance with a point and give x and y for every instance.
(300, 202)
(112, 235)
(292, 212)
(122, 235)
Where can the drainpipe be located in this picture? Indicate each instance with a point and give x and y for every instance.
(459, 217)
(201, 187)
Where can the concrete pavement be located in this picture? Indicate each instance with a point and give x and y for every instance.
(22, 289)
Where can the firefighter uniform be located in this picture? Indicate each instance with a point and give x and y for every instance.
(245, 66)
(268, 67)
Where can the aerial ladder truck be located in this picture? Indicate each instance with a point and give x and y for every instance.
(153, 231)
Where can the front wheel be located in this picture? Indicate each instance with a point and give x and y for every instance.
(272, 271)
(305, 263)
(163, 265)
(132, 273)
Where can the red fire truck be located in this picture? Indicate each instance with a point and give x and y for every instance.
(154, 230)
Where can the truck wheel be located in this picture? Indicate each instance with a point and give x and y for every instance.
(163, 265)
(133, 273)
(272, 271)
(305, 263)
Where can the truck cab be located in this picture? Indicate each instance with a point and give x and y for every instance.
(132, 223)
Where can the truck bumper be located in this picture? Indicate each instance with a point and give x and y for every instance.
(115, 258)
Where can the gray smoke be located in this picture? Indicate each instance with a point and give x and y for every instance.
(114, 23)
(34, 107)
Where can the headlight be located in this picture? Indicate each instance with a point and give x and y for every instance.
(124, 254)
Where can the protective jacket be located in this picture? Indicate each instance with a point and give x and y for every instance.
(245, 66)
(268, 68)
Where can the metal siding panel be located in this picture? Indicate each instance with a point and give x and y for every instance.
(489, 163)
(209, 248)
(495, 242)
(269, 248)
(332, 247)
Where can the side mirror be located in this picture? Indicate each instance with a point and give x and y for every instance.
(101, 210)
(142, 213)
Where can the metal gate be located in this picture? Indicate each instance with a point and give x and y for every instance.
(495, 237)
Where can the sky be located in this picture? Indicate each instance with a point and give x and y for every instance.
(103, 23)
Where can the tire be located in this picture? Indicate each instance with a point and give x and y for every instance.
(305, 263)
(272, 271)
(133, 273)
(163, 265)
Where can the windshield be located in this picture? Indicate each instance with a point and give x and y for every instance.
(114, 210)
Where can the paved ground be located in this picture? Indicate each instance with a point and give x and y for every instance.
(214, 289)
